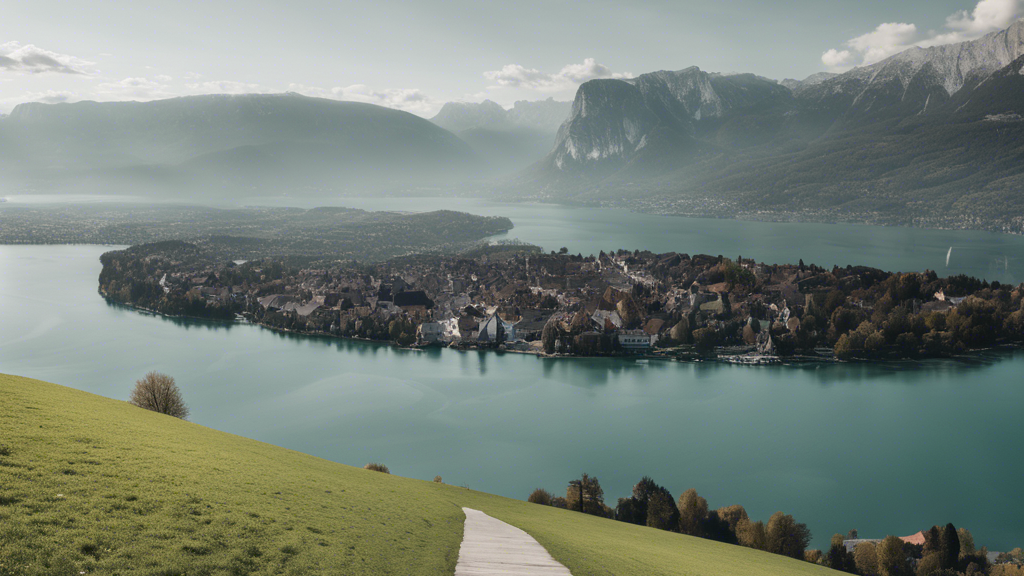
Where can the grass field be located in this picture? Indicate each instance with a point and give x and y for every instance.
(96, 486)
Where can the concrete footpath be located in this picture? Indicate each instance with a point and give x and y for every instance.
(491, 547)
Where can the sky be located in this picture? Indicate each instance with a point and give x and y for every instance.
(415, 56)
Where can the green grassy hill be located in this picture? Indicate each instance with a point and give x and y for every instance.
(96, 486)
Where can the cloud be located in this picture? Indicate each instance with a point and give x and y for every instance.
(135, 88)
(32, 59)
(894, 37)
(407, 99)
(884, 41)
(570, 76)
(223, 87)
(837, 59)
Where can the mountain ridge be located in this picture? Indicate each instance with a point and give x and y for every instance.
(313, 141)
(694, 138)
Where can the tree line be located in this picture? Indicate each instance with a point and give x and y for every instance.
(651, 504)
(947, 550)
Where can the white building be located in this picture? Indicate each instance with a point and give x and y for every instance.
(635, 340)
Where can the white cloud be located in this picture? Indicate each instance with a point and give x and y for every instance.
(894, 37)
(31, 59)
(407, 99)
(884, 41)
(223, 87)
(570, 76)
(135, 88)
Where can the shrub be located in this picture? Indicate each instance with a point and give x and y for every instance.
(377, 467)
(159, 393)
(438, 480)
(540, 496)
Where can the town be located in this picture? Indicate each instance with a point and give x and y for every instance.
(515, 297)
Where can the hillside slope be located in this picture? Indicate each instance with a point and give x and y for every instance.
(93, 485)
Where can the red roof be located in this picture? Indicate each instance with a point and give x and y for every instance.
(914, 539)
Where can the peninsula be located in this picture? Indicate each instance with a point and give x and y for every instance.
(515, 297)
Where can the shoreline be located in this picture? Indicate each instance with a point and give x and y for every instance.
(723, 359)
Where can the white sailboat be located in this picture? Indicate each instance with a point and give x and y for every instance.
(948, 254)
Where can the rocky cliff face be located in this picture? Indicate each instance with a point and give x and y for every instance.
(615, 122)
(649, 119)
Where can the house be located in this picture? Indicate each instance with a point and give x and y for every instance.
(635, 340)
(765, 343)
(276, 302)
(607, 320)
(413, 298)
(496, 330)
(430, 333)
(468, 327)
(307, 309)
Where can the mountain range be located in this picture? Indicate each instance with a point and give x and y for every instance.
(261, 143)
(931, 136)
(508, 140)
(928, 134)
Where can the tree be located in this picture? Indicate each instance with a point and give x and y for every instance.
(642, 492)
(838, 558)
(586, 495)
(929, 564)
(752, 534)
(892, 558)
(865, 557)
(705, 338)
(661, 511)
(966, 542)
(692, 511)
(159, 393)
(549, 336)
(949, 547)
(540, 496)
(625, 511)
(733, 515)
(786, 536)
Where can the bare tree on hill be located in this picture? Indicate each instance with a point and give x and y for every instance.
(159, 393)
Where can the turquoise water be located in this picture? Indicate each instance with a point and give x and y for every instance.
(589, 230)
(884, 449)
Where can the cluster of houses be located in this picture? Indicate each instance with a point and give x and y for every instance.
(622, 302)
(521, 299)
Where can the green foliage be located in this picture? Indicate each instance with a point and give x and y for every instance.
(892, 558)
(865, 557)
(661, 511)
(540, 496)
(693, 509)
(587, 496)
(786, 536)
(949, 549)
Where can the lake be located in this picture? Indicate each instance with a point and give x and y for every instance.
(590, 230)
(882, 448)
